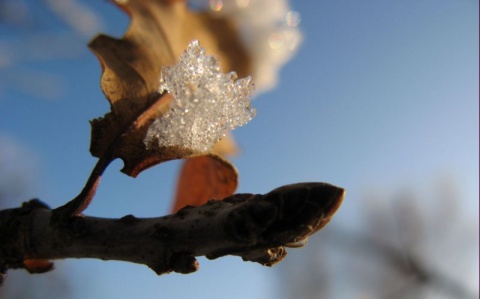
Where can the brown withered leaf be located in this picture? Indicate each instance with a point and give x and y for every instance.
(204, 178)
(210, 177)
(159, 32)
(37, 265)
(226, 146)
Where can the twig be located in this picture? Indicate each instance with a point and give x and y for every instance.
(83, 199)
(254, 227)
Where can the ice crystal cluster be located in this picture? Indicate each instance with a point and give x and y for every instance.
(206, 102)
(269, 30)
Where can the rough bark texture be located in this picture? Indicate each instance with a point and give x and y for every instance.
(254, 227)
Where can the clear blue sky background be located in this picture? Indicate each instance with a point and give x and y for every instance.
(382, 95)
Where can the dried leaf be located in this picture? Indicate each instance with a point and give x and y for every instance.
(37, 265)
(200, 172)
(204, 178)
(158, 34)
(226, 146)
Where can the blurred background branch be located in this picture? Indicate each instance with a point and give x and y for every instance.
(399, 254)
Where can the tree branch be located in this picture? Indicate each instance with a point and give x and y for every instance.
(254, 227)
(403, 261)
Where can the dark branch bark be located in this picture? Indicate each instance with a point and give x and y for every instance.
(254, 227)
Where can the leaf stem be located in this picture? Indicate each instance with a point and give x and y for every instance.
(82, 200)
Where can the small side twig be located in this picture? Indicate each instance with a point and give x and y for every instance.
(77, 205)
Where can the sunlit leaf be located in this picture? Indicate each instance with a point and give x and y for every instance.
(159, 32)
(204, 178)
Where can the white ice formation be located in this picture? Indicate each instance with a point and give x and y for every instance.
(206, 103)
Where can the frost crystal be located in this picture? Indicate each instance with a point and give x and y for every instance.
(206, 102)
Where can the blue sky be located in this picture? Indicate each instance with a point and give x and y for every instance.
(382, 96)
